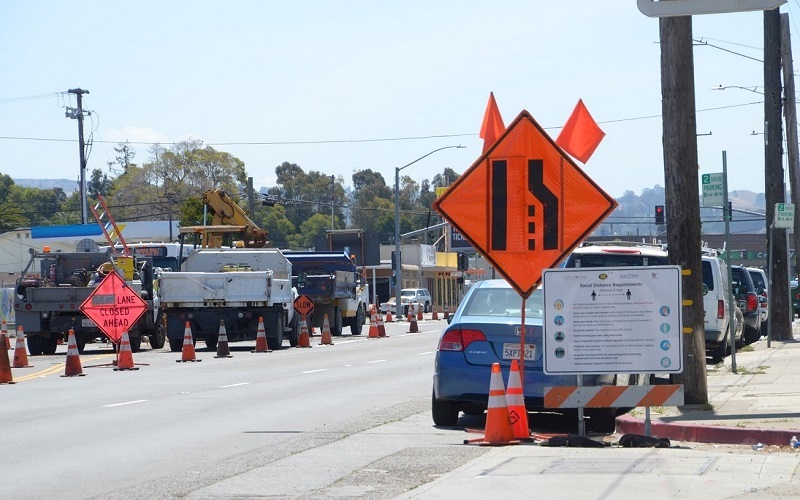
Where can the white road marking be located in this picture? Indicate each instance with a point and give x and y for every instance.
(233, 385)
(377, 361)
(125, 403)
(424, 353)
(316, 371)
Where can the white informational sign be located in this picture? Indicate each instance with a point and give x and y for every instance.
(713, 191)
(784, 215)
(613, 320)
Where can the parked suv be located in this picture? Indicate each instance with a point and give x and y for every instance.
(760, 282)
(717, 306)
(745, 292)
(407, 296)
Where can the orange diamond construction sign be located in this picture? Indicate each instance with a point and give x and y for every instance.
(114, 306)
(524, 204)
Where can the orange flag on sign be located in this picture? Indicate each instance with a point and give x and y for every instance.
(581, 135)
(492, 127)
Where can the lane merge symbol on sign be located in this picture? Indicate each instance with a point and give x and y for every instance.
(114, 306)
(304, 305)
(524, 204)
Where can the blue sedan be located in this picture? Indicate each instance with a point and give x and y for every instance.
(485, 329)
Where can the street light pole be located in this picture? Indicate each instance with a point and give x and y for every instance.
(398, 264)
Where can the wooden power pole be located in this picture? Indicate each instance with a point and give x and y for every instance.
(775, 191)
(790, 118)
(682, 194)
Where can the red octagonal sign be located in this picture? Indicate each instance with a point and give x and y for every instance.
(524, 204)
(114, 306)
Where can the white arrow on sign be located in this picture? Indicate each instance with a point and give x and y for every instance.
(670, 8)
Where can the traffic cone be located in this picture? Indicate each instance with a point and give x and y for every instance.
(20, 351)
(419, 311)
(412, 326)
(373, 325)
(188, 353)
(303, 341)
(517, 413)
(326, 332)
(446, 312)
(72, 367)
(261, 338)
(435, 315)
(125, 355)
(5, 365)
(498, 430)
(389, 318)
(6, 342)
(381, 327)
(223, 351)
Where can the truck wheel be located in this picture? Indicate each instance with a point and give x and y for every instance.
(358, 322)
(136, 343)
(294, 336)
(48, 345)
(80, 344)
(157, 339)
(34, 345)
(276, 343)
(176, 345)
(336, 325)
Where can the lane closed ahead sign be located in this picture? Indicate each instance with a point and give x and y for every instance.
(114, 306)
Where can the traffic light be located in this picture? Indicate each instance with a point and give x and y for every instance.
(394, 259)
(463, 261)
(730, 210)
(660, 214)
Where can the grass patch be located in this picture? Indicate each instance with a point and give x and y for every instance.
(743, 370)
(747, 348)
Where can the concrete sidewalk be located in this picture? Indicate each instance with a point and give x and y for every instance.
(760, 403)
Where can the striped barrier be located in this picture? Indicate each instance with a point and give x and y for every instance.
(613, 396)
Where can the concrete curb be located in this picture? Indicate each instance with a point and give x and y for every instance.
(704, 433)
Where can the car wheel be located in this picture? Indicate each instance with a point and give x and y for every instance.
(176, 345)
(427, 307)
(445, 413)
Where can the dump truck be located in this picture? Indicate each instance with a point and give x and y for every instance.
(53, 285)
(332, 281)
(234, 285)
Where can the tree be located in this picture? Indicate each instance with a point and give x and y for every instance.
(99, 183)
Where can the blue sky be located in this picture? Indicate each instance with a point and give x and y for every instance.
(338, 87)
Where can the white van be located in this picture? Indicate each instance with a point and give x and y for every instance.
(716, 304)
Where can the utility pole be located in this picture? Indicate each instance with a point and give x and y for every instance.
(775, 190)
(333, 198)
(682, 196)
(71, 113)
(790, 117)
(170, 197)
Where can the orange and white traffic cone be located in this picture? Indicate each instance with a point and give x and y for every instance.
(498, 430)
(303, 341)
(389, 318)
(223, 351)
(188, 354)
(261, 337)
(419, 311)
(326, 332)
(517, 413)
(72, 367)
(125, 355)
(4, 330)
(20, 351)
(412, 326)
(381, 326)
(446, 312)
(5, 365)
(373, 325)
(435, 315)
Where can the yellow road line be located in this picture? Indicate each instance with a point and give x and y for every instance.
(57, 368)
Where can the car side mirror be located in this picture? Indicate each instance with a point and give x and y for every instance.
(449, 319)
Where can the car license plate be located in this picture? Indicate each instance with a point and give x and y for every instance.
(87, 323)
(511, 351)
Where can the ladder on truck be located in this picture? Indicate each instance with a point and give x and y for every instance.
(106, 214)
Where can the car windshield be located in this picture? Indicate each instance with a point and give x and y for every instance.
(407, 293)
(503, 302)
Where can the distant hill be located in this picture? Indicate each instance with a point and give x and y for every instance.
(68, 185)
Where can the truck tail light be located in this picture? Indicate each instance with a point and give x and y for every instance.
(458, 339)
(720, 309)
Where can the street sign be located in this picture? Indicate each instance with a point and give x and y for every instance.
(303, 305)
(784, 215)
(524, 204)
(713, 190)
(114, 306)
